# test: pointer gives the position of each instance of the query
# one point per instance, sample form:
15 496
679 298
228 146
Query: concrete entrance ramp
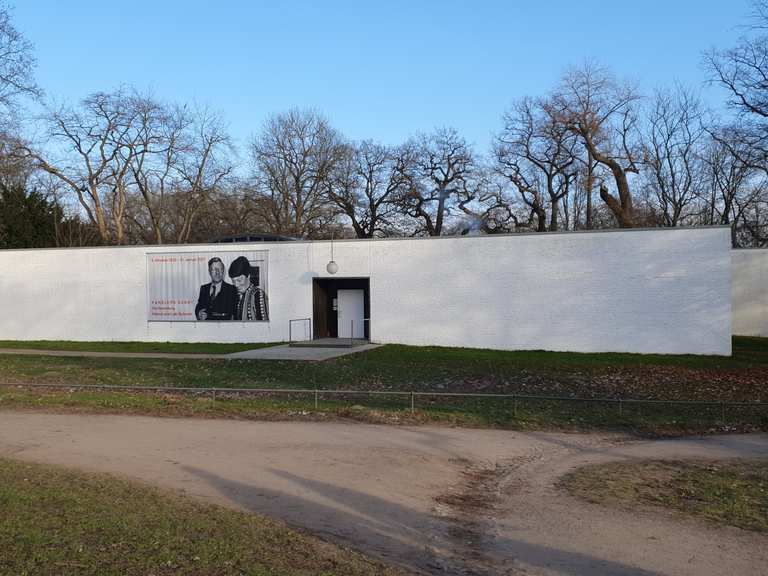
305 353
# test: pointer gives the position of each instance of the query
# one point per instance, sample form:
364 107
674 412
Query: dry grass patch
732 492
57 521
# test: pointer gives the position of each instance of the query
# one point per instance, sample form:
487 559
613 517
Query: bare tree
121 153
582 209
152 157
738 196
743 69
433 169
293 159
180 152
69 228
743 72
485 205
203 163
231 209
752 229
673 153
97 140
537 154
734 187
363 184
17 64
601 111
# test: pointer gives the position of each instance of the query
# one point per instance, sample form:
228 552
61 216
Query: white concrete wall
665 291
750 292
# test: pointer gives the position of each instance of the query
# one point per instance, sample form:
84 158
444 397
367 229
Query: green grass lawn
741 378
166 347
56 521
748 351
396 367
732 492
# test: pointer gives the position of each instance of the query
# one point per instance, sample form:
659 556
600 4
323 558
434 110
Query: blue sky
383 70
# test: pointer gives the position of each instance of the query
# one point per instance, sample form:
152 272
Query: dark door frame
324 292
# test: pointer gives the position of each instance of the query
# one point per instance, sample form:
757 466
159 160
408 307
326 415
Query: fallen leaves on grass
732 492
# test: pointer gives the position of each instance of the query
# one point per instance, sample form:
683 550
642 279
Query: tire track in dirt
472 507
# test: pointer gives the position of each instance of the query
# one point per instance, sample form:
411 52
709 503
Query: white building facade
646 291
750 292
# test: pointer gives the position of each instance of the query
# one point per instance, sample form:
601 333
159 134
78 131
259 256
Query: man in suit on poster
217 299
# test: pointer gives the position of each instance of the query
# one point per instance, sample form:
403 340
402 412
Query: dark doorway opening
325 307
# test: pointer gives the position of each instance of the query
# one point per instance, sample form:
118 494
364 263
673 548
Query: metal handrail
352 330
290 326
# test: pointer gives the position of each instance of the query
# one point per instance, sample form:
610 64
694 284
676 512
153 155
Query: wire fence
722 411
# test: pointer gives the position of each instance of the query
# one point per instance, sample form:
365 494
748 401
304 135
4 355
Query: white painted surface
351 313
666 290
750 292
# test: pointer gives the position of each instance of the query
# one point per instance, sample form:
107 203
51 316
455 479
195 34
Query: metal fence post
741 410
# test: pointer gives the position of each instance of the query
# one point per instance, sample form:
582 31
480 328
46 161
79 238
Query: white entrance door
351 305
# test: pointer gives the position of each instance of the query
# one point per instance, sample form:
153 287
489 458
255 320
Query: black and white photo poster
207 286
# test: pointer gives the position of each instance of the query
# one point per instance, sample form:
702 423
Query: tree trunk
625 220
553 217
590 185
440 212
622 208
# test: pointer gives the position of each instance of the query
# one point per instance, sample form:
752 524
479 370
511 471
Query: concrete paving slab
300 353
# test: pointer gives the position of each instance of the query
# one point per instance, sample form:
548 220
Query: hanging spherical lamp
332 267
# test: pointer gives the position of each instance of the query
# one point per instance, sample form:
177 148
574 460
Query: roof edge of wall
255 245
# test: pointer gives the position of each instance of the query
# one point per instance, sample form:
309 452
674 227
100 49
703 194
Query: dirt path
437 500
